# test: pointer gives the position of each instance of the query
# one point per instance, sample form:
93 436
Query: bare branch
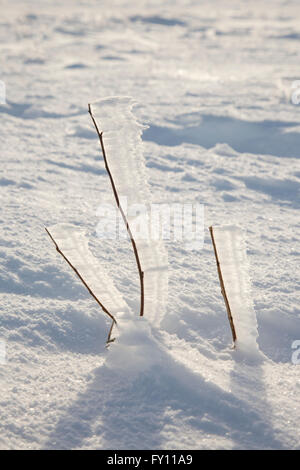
141 273
86 285
223 290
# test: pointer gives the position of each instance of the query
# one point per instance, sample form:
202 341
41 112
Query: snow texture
232 254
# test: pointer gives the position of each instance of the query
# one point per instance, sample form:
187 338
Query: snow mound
136 349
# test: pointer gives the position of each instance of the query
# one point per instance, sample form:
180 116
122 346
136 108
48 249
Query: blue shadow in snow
122 413
265 137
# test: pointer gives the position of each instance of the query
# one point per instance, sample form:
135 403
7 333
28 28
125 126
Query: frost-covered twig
86 285
141 273
223 290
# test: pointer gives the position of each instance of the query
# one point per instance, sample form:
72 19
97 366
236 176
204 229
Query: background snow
214 85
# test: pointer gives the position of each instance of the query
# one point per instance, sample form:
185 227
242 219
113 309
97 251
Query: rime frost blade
124 153
154 260
74 244
123 147
234 265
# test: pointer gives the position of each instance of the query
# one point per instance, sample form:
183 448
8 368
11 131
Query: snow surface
213 81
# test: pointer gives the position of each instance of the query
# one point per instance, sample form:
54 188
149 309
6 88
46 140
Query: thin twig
86 285
223 290
141 273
